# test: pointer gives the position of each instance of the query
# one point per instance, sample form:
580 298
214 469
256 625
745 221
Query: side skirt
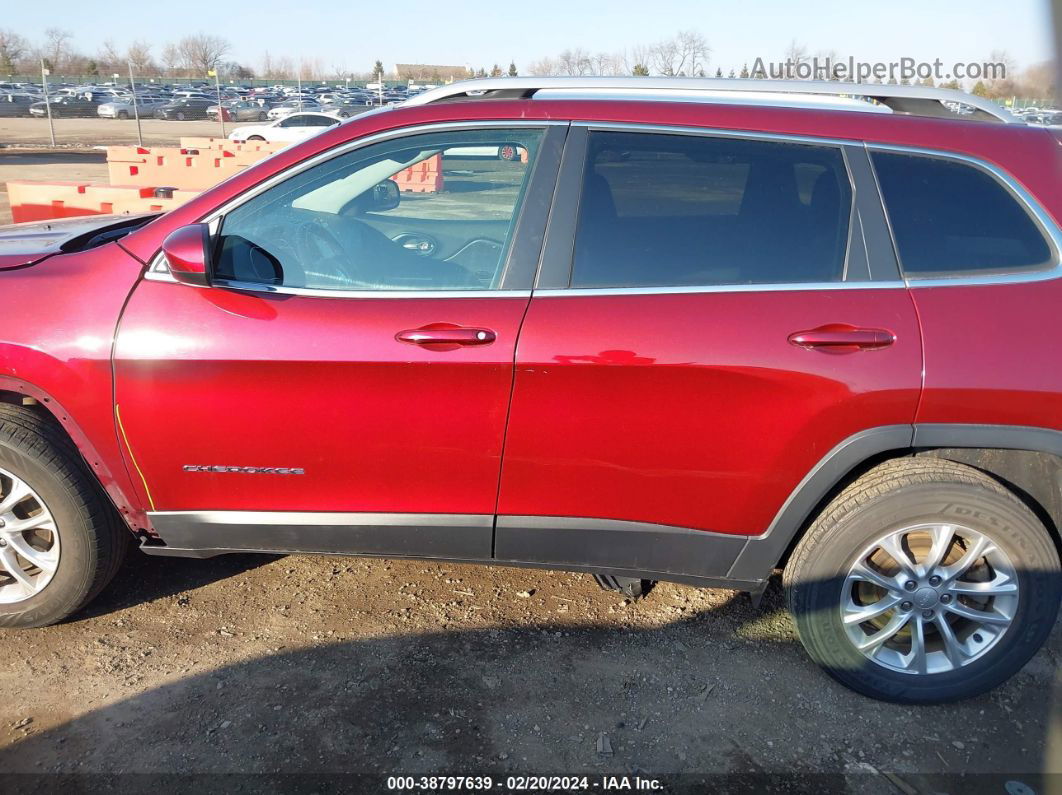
596 546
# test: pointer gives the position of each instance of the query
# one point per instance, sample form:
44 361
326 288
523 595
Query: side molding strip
398 534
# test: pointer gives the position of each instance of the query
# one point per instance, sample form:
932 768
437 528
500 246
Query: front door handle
446 334
842 338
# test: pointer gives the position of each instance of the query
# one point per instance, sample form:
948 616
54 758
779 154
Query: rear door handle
842 338
446 334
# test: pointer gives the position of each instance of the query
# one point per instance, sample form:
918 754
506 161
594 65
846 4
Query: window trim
1041 219
542 178
558 254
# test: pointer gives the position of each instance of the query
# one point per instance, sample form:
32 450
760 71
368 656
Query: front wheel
509 152
924 581
180 116
60 540
263 116
123 114
255 138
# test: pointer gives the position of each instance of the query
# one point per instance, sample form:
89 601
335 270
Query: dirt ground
104 132
255 664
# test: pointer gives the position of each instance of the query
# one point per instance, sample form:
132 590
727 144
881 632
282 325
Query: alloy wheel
29 541
929 598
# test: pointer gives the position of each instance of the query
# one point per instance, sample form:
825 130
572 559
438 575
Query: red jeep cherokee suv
690 333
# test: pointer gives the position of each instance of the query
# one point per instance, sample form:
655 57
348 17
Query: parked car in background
290 128
16 104
184 108
123 108
67 105
290 106
240 111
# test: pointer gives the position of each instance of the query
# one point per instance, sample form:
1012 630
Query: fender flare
762 553
115 484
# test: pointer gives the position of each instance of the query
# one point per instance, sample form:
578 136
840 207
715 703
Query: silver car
123 108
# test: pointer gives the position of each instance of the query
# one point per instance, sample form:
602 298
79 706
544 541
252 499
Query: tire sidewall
818 589
74 576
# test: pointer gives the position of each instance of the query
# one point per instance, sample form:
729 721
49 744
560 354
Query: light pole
221 111
136 107
47 101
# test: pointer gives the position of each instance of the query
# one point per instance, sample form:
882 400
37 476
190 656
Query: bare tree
575 62
171 59
685 53
795 55
638 55
109 58
544 67
56 47
139 57
202 52
12 50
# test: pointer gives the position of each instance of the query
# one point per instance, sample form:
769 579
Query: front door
343 383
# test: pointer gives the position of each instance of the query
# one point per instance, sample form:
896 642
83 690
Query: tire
180 115
255 138
899 497
263 117
93 538
123 114
508 152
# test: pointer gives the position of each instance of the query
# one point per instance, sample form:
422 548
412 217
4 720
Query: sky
352 35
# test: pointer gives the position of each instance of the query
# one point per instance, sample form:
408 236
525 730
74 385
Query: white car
290 106
291 128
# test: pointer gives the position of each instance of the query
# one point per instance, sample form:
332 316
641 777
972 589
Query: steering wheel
320 252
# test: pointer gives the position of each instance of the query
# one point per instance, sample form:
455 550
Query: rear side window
951 218
677 210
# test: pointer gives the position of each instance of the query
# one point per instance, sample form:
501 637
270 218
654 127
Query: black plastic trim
1001 437
530 228
636 546
881 253
762 553
555 268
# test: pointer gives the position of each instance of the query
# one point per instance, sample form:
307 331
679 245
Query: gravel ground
255 664
104 132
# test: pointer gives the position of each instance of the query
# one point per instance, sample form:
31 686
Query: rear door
714 314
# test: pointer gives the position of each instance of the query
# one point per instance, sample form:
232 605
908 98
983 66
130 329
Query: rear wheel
924 581
262 116
180 115
509 152
255 138
122 114
60 540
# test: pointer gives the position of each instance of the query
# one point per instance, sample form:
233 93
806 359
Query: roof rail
915 100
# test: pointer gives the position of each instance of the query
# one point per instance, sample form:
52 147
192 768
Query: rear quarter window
951 219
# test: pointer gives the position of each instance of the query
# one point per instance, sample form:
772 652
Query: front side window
425 212
683 210
950 218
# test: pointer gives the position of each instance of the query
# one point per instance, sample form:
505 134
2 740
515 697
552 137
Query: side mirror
384 196
187 252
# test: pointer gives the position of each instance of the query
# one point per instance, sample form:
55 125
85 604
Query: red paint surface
694 410
217 377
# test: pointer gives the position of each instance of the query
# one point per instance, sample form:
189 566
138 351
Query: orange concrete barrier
42 201
195 142
424 177
185 168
